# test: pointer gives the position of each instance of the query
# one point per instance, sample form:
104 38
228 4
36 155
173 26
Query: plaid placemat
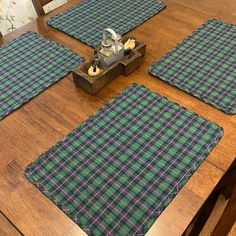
204 65
28 65
87 20
117 171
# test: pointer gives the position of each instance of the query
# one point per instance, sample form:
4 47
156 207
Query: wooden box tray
124 67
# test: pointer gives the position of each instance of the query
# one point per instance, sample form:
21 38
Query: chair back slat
44 2
38 5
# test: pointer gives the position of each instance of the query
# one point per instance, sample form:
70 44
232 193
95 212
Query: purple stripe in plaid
28 65
204 65
116 172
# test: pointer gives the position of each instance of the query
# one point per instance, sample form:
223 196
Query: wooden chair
38 5
2 41
218 214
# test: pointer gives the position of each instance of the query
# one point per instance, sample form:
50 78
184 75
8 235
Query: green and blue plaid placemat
204 65
117 171
28 65
87 20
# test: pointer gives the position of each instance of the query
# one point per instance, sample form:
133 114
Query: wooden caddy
124 67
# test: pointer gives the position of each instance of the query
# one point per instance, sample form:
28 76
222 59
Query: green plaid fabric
87 20
204 65
28 65
117 171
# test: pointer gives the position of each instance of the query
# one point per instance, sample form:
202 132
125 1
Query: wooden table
44 120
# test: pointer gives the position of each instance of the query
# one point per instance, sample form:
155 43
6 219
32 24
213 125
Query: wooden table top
44 120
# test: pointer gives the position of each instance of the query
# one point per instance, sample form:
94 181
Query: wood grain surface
44 120
7 228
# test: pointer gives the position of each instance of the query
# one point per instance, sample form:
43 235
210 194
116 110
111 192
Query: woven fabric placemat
204 65
118 170
87 20
28 65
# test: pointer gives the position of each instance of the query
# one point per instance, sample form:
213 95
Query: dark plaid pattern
204 65
28 65
87 20
117 171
